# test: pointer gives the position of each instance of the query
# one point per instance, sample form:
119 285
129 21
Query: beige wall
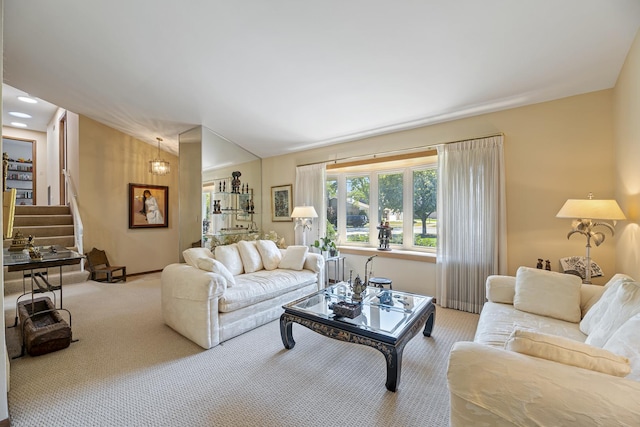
626 108
553 151
109 161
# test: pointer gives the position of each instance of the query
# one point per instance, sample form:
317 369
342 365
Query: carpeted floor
129 369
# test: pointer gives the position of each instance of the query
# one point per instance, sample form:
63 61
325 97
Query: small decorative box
346 309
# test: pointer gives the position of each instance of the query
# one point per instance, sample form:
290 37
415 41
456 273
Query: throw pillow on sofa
270 254
624 304
626 342
533 290
230 257
192 255
215 266
567 351
294 258
597 310
251 259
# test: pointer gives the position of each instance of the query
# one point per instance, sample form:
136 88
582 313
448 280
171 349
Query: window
364 198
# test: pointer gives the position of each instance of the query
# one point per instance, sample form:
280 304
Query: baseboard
141 274
5 423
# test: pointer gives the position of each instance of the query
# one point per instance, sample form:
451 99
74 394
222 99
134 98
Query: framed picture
245 206
148 206
281 203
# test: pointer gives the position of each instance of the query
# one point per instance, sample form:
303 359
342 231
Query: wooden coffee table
385 327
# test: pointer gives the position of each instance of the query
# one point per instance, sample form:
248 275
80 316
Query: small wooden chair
99 266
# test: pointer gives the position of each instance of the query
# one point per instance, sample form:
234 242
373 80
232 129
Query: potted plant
326 245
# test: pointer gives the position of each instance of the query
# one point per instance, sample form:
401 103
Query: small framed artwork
281 203
148 206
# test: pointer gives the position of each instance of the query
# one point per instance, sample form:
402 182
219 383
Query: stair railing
78 229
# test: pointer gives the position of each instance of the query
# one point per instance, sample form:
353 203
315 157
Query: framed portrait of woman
148 206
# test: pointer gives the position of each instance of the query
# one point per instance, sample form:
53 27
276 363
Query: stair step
47 230
42 210
29 220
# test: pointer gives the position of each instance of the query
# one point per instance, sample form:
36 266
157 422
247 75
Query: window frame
378 168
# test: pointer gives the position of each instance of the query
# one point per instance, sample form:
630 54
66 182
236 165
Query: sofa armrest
501 289
525 390
314 262
183 281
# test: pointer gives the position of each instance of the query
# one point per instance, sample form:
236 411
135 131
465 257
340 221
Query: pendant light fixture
158 166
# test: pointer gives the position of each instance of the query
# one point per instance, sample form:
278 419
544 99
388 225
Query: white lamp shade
591 209
304 212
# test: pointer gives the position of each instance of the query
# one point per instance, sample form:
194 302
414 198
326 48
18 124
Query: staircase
50 225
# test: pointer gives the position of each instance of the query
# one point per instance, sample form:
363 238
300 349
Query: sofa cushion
192 255
569 352
534 286
294 257
270 254
251 259
215 266
597 310
626 342
498 321
625 303
230 257
262 285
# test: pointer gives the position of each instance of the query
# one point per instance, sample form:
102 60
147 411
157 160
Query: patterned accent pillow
192 255
294 257
567 351
251 259
271 255
624 305
215 266
548 293
230 257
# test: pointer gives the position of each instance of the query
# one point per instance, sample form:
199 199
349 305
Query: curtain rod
406 150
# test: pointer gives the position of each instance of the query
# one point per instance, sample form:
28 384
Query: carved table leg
428 326
394 363
286 332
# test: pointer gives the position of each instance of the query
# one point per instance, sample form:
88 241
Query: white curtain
309 190
472 240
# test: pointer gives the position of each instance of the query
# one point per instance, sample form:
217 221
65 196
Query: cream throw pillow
623 306
548 293
626 342
230 257
215 266
597 310
270 254
294 257
251 259
566 351
192 255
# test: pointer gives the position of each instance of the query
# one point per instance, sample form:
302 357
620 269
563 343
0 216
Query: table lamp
303 216
584 212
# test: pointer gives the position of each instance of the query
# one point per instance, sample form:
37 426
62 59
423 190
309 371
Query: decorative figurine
384 235
547 265
358 287
235 182
539 264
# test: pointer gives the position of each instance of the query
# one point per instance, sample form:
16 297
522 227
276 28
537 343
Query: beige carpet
129 369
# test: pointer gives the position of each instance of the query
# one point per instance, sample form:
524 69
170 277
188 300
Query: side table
335 263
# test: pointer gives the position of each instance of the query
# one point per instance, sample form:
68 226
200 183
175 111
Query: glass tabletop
49 253
384 311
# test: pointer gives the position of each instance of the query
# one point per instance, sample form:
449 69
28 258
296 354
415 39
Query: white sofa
550 351
210 299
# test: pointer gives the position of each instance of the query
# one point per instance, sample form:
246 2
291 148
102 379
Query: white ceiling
283 75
